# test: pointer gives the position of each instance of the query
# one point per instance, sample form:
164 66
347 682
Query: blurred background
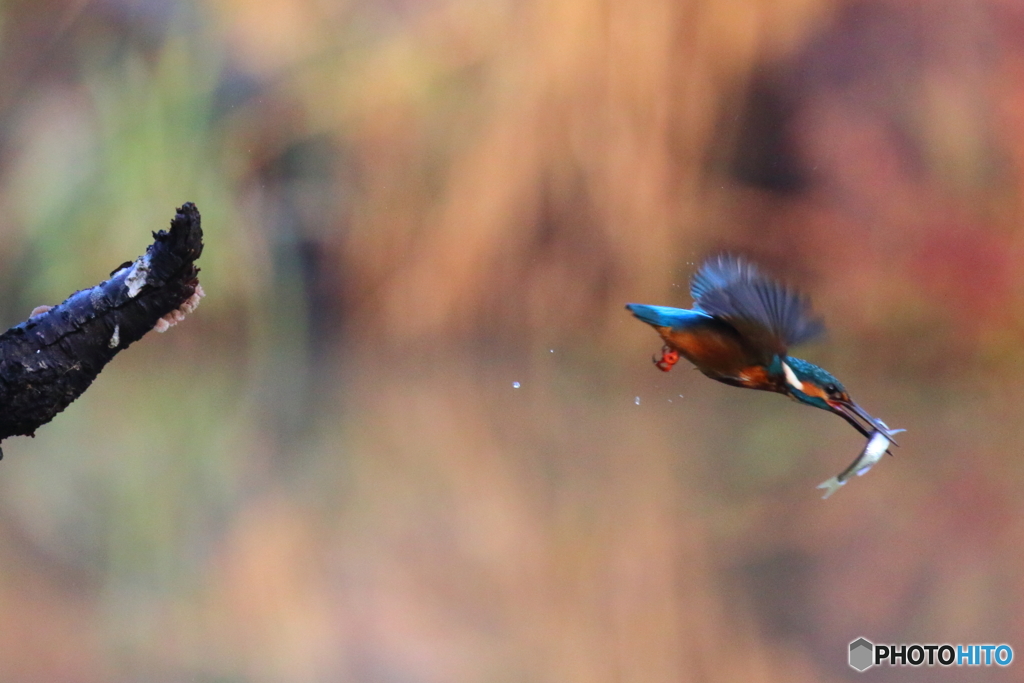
411 435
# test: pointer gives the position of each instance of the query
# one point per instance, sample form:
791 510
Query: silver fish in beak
851 412
876 447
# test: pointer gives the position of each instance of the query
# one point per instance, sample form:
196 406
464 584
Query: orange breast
709 350
755 377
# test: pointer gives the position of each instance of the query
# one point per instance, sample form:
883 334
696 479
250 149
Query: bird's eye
833 391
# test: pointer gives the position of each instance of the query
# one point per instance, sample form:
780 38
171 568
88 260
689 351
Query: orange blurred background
412 435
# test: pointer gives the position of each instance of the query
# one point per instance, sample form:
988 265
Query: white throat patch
792 378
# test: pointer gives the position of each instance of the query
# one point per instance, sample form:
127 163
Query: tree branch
47 361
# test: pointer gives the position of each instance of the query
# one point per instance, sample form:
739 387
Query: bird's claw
669 357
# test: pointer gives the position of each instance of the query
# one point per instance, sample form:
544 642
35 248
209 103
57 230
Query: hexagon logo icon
861 654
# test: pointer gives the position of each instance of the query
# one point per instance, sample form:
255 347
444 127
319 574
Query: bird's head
809 384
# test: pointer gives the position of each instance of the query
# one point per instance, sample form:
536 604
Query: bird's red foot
669 357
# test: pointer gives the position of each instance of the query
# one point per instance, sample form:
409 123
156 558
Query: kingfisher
739 332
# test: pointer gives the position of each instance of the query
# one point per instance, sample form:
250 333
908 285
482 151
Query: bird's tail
662 316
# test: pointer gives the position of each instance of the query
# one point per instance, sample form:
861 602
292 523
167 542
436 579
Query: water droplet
552 350
515 385
637 400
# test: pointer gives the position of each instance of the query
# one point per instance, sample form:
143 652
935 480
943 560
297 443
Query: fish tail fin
830 486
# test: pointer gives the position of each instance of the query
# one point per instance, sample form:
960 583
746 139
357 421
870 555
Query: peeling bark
47 361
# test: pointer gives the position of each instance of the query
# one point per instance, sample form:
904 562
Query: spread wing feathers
720 272
763 310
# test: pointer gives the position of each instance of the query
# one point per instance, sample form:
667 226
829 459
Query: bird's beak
850 411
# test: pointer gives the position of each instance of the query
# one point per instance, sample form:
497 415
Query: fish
873 451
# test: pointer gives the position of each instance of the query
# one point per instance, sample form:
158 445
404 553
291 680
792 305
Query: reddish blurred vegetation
412 205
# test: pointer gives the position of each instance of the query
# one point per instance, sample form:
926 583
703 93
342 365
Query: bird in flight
739 332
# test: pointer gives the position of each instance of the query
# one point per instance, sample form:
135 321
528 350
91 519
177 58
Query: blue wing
763 310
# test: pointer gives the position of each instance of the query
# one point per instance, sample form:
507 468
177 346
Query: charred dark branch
47 361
